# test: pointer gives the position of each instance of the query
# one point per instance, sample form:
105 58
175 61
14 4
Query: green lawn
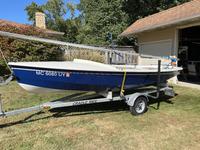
175 125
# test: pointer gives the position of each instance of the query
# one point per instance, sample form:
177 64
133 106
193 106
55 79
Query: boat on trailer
85 75
92 76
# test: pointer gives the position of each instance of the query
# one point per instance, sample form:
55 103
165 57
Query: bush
18 50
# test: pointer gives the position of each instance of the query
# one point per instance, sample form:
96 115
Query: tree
72 24
72 8
99 18
56 11
32 9
72 30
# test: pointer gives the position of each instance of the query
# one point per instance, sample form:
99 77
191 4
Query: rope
123 83
4 58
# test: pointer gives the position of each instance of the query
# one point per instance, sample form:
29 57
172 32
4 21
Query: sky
13 10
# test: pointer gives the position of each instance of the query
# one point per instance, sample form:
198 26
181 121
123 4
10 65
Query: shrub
18 50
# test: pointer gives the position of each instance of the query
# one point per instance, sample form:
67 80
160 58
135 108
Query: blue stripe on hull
83 80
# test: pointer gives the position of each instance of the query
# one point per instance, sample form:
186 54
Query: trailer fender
131 100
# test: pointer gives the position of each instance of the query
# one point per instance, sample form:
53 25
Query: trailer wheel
140 106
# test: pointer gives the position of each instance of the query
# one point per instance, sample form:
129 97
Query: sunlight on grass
175 125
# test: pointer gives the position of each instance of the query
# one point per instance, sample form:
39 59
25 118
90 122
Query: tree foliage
56 11
31 10
99 18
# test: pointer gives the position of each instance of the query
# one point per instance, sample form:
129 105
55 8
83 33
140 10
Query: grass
109 126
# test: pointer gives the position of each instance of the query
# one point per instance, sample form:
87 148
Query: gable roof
26 27
189 11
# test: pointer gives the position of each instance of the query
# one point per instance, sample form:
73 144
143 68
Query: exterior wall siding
158 42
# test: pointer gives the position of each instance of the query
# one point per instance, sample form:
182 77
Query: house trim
159 41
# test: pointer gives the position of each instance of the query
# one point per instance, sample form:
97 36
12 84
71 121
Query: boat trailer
136 101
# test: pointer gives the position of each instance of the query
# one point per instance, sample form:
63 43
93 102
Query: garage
172 32
189 53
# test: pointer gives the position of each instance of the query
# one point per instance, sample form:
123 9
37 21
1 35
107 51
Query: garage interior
189 54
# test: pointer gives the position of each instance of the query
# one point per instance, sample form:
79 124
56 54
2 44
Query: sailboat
85 75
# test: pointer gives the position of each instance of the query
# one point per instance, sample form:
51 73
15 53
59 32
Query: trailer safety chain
123 83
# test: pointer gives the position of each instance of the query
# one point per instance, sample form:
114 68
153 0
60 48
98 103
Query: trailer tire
140 106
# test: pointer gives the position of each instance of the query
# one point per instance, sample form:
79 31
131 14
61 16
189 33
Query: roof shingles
171 16
26 27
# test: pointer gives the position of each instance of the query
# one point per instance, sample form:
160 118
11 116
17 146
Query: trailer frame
129 99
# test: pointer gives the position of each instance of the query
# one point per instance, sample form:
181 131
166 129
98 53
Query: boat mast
109 52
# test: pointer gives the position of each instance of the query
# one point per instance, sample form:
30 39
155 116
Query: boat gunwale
120 72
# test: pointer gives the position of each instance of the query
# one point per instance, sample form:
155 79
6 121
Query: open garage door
189 54
156 48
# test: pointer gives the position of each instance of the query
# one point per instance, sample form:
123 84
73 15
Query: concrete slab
190 85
